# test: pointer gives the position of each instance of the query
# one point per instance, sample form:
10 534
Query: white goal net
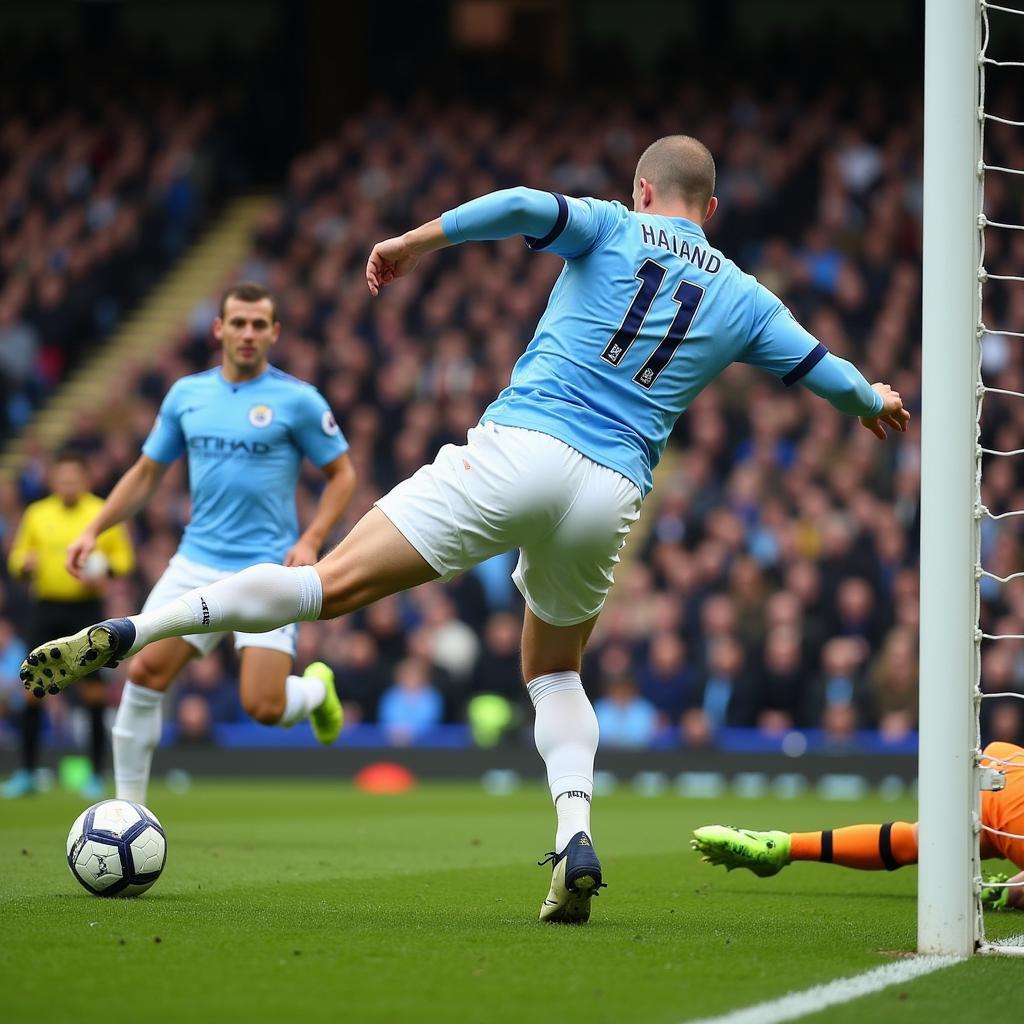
972 431
1004 279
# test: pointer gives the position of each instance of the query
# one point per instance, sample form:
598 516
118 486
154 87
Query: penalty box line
833 993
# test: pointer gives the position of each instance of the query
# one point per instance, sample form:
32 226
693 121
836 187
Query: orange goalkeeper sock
867 847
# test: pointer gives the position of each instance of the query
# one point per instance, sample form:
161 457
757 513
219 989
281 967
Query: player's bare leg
261 683
137 726
566 735
548 648
373 561
273 696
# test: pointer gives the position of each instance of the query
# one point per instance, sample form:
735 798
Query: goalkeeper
889 846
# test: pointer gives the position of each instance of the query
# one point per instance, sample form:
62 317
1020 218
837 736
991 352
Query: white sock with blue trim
255 600
133 739
566 735
302 696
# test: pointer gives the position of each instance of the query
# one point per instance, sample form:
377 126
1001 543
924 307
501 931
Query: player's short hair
249 291
70 453
679 167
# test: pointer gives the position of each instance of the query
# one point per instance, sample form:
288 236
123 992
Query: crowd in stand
772 582
114 151
93 205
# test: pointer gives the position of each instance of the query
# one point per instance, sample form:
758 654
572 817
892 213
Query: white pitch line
1013 946
832 993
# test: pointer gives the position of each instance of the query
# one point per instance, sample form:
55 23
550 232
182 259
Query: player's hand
995 897
302 553
391 259
892 415
78 551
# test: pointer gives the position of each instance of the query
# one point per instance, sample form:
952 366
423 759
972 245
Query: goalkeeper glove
994 897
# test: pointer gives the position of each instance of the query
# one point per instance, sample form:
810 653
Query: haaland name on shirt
682 248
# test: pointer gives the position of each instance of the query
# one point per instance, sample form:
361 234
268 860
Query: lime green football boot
328 718
764 853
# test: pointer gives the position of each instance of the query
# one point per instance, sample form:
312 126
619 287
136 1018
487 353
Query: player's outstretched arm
542 217
395 257
842 384
780 345
130 494
893 414
341 484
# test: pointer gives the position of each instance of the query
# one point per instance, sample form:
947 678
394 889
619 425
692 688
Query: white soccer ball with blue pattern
117 848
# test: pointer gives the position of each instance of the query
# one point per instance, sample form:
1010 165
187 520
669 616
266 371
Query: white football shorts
507 488
183 575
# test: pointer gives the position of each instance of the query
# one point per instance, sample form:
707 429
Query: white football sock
566 735
134 737
254 600
302 694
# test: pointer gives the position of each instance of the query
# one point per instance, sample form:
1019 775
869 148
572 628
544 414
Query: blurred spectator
780 682
665 678
194 720
1001 673
624 717
725 698
12 653
361 675
453 644
410 705
894 684
204 696
497 669
838 699
383 620
856 610
19 363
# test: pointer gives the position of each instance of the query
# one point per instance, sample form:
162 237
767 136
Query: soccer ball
117 848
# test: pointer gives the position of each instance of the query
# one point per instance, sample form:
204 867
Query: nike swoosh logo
551 903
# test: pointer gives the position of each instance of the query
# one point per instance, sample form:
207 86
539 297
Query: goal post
947 790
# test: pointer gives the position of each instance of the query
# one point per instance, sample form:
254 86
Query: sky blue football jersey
245 443
644 315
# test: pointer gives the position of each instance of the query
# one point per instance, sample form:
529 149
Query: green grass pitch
308 901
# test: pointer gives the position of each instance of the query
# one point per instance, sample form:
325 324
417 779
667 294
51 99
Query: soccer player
889 846
63 603
644 315
245 427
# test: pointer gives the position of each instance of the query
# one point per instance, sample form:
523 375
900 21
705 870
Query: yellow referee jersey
47 529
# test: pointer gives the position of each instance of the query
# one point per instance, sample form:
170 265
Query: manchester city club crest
329 424
261 415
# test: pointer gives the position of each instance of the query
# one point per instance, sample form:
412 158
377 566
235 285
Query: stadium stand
773 583
94 205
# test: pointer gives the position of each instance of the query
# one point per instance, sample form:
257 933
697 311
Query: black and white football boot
52 666
575 878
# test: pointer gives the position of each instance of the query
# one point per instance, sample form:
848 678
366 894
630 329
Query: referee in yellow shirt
63 604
